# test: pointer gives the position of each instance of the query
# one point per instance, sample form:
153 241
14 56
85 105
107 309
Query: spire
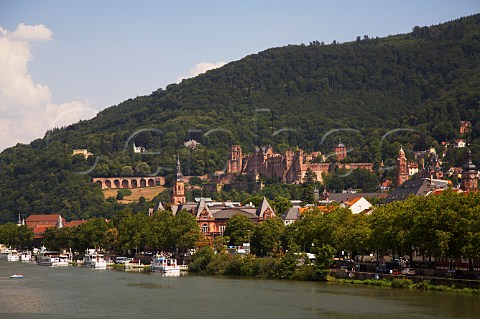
179 171
19 220
59 222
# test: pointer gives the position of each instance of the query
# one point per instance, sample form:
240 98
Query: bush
264 267
201 259
401 283
218 264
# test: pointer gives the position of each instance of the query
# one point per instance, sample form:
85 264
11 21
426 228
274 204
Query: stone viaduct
129 182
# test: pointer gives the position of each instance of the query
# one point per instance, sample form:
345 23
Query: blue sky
68 59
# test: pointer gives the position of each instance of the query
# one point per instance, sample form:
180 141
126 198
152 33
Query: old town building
212 217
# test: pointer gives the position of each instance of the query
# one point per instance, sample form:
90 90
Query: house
416 187
212 217
41 222
84 152
357 205
291 215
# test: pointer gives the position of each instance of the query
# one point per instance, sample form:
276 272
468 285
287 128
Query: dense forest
374 94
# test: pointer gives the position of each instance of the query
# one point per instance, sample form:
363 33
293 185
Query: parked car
408 271
454 273
395 272
121 260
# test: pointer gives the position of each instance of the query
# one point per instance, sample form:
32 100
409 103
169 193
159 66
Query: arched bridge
129 182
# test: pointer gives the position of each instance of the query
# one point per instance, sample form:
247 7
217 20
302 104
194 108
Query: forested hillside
414 87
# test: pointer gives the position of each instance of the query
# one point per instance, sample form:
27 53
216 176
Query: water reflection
82 293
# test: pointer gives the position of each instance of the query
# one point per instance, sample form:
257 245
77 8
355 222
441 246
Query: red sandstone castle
291 166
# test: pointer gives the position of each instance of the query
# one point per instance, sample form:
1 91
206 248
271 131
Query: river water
74 292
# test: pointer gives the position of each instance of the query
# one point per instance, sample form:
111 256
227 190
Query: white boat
16 276
59 260
44 259
166 265
93 259
9 254
26 256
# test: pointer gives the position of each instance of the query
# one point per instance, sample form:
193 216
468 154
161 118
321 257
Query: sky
62 61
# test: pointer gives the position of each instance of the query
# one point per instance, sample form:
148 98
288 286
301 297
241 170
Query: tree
281 204
266 237
186 231
239 229
16 236
142 169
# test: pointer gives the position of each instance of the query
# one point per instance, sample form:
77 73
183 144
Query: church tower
178 196
402 170
469 175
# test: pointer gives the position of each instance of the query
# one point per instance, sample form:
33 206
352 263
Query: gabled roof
293 213
417 187
264 207
203 210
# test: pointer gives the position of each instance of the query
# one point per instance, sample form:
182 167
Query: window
222 228
205 228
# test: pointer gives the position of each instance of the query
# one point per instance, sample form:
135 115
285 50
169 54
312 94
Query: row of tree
446 225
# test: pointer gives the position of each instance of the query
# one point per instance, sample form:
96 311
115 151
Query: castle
290 167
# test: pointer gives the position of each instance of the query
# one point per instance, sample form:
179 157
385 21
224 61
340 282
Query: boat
26 256
59 260
134 263
44 259
93 259
9 254
16 276
165 265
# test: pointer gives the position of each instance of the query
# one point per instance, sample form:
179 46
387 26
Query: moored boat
26 255
16 276
93 259
9 254
164 264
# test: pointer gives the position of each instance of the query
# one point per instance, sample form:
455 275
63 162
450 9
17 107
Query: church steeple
469 175
402 170
179 171
178 196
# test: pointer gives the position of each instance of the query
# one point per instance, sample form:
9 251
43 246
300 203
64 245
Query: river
74 292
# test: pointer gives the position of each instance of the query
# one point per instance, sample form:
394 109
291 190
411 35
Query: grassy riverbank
403 283
294 267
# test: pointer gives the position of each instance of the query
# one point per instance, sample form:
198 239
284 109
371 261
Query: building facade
290 167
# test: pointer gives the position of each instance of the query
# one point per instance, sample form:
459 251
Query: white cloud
200 68
31 33
26 107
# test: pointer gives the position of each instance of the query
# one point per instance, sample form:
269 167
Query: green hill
374 93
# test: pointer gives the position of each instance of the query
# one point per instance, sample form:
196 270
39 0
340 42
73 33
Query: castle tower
178 196
469 175
402 170
340 151
235 160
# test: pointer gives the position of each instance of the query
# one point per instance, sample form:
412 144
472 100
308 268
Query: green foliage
422 80
16 236
266 237
239 229
201 259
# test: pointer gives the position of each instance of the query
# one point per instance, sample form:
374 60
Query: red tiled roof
42 218
39 230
